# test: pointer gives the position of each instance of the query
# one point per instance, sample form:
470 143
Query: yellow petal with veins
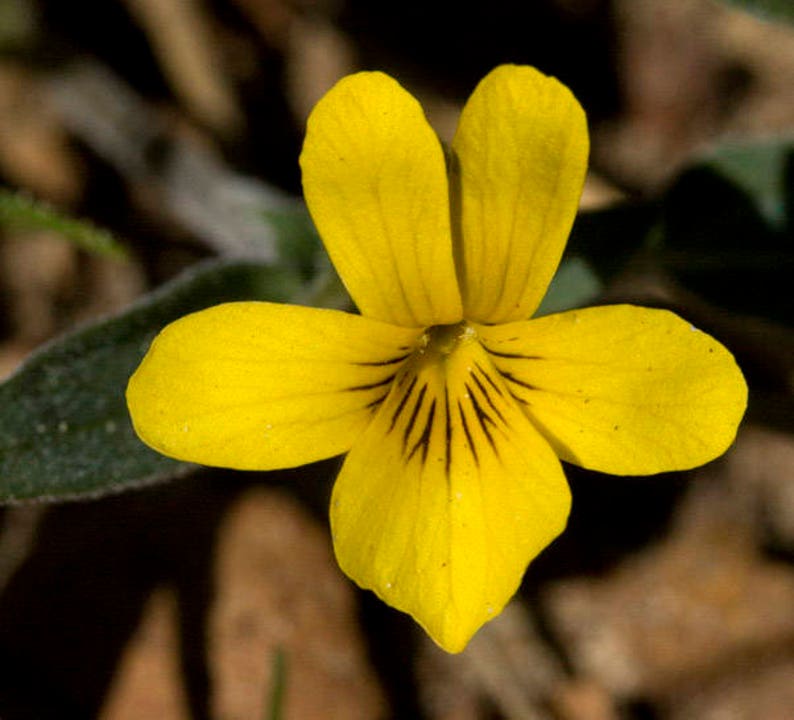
375 182
622 389
447 496
521 149
260 386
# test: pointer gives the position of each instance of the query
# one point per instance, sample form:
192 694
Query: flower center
443 339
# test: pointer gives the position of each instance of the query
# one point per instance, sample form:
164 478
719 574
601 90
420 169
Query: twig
221 208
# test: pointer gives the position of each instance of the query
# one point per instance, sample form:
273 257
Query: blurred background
216 595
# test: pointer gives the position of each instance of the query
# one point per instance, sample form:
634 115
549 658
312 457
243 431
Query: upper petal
623 389
447 497
375 182
521 148
260 386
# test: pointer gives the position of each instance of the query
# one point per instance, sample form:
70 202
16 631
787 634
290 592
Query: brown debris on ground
696 623
669 620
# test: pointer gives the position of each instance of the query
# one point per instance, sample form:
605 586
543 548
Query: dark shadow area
611 517
69 611
717 240
391 636
392 640
449 46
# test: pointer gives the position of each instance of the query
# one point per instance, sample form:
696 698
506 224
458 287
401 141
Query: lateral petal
375 182
261 386
447 497
521 148
622 389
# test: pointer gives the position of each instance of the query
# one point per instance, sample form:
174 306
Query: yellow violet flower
453 407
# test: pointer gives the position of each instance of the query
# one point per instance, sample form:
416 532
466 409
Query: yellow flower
452 405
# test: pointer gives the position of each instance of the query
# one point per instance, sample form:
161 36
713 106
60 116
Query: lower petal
261 386
622 389
447 497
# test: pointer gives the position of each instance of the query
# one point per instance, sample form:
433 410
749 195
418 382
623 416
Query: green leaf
64 427
18 25
609 237
759 170
768 9
274 709
575 284
20 212
298 243
301 250
725 229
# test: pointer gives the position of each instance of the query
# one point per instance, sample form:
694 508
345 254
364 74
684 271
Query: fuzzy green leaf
64 428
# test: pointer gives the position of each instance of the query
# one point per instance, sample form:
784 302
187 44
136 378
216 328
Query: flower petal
622 389
521 148
374 178
447 497
260 386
